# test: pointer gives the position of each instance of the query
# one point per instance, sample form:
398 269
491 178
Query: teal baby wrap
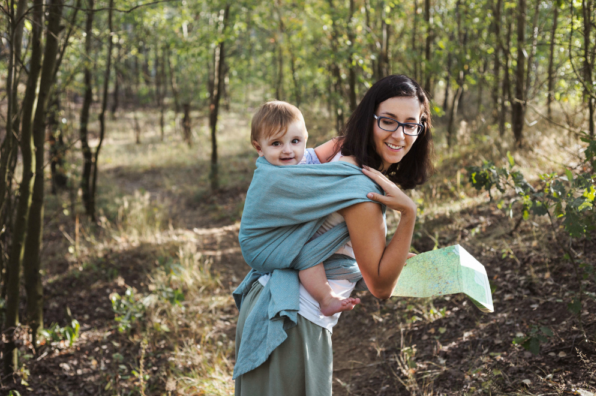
285 206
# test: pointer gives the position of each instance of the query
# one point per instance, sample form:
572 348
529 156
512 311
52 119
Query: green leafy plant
568 200
128 309
68 333
532 341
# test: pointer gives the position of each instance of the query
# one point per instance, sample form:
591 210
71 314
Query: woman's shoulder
349 159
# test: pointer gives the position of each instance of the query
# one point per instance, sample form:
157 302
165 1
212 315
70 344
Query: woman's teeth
393 146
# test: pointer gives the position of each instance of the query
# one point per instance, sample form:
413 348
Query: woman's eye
411 128
388 123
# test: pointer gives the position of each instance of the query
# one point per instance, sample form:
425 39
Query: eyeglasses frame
399 124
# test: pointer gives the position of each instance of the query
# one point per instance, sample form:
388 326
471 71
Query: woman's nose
399 133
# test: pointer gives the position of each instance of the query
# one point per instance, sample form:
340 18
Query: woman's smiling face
393 146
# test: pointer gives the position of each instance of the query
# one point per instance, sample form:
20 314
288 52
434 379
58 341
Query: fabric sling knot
285 206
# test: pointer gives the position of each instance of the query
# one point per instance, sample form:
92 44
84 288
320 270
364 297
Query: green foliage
531 342
68 333
568 199
128 309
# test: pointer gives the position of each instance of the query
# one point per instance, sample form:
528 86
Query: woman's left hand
394 197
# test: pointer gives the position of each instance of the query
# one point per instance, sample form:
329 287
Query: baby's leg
315 282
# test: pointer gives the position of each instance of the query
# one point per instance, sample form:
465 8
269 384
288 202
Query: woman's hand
394 197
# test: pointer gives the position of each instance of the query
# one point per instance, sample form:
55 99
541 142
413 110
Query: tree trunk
31 259
518 105
506 89
451 133
496 94
164 90
588 66
532 50
186 124
57 146
551 59
174 89
20 226
447 82
8 151
427 50
102 114
415 40
84 132
216 95
117 77
351 66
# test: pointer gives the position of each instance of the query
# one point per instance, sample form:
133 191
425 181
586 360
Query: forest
125 159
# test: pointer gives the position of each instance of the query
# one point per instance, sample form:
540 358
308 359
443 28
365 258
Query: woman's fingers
378 177
378 198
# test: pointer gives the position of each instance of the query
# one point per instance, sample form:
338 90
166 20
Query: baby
279 134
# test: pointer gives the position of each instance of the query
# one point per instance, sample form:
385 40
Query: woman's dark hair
358 135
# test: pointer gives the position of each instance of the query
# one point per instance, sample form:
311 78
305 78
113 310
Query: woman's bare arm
326 150
381 264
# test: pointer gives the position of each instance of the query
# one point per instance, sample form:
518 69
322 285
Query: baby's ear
257 147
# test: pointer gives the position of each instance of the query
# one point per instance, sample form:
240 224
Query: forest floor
150 284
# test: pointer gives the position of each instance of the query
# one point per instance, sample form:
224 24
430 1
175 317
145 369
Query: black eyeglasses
391 125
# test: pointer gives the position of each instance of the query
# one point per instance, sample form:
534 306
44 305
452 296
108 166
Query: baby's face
287 149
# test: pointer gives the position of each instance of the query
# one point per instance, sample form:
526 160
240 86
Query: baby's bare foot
334 304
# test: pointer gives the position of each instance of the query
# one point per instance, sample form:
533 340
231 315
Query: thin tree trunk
33 242
20 226
532 50
174 89
518 105
164 91
384 55
57 146
186 124
102 114
351 66
8 151
506 90
588 66
551 59
497 95
415 40
216 95
447 82
427 49
84 131
297 96
117 77
451 133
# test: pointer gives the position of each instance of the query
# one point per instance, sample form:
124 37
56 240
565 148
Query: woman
389 137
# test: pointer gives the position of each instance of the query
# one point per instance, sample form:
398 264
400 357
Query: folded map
444 271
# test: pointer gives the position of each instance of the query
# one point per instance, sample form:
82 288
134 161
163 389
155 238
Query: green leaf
546 331
569 175
575 307
532 345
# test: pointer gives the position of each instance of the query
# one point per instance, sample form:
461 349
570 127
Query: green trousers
301 366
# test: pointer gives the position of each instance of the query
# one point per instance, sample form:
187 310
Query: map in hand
445 271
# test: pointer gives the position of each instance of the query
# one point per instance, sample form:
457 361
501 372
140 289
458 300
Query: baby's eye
296 141
275 144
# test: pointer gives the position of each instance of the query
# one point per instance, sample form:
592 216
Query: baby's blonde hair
273 118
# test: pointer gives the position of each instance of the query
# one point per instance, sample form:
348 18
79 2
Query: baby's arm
315 282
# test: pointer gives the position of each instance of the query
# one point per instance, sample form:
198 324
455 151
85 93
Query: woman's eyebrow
394 116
